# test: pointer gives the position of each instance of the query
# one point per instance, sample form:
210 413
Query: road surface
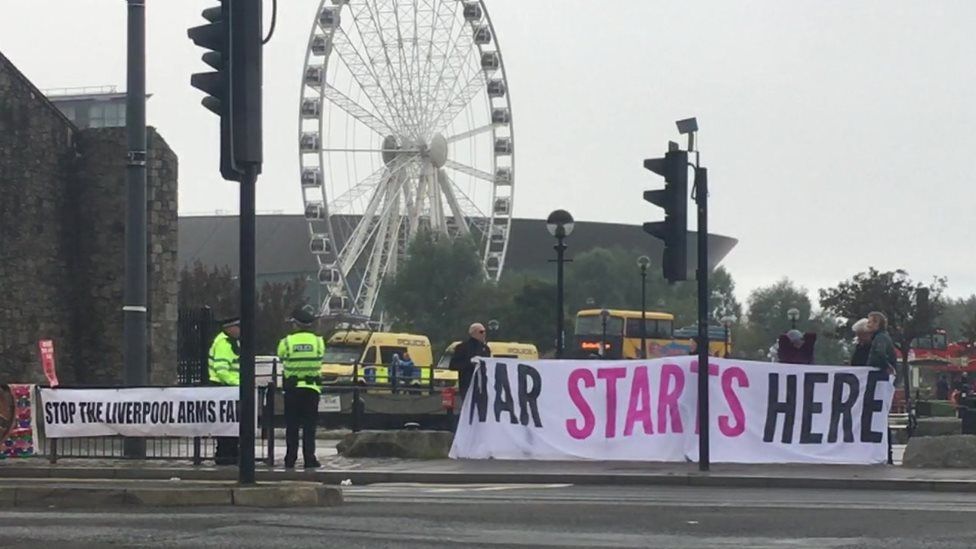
422 516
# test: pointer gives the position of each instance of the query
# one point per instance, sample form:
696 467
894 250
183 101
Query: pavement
422 516
365 471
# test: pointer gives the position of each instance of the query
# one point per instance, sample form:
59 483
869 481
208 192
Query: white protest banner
140 412
646 410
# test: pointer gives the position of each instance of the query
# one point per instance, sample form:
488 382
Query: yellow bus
623 336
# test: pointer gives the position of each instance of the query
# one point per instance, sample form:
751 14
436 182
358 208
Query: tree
439 289
956 315
767 318
528 312
892 293
276 301
215 288
218 289
968 329
609 277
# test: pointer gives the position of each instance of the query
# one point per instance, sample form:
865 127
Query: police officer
225 369
301 353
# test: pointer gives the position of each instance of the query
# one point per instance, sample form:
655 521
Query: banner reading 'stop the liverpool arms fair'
647 410
141 412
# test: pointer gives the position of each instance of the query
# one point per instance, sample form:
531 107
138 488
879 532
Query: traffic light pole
134 298
701 199
248 312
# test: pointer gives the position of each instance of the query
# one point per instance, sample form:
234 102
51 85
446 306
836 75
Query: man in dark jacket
465 351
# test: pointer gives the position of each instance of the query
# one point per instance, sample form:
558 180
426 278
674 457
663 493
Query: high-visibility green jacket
225 361
301 353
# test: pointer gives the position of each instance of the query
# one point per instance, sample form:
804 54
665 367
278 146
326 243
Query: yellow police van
445 377
375 353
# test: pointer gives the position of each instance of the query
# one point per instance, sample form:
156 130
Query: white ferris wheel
405 125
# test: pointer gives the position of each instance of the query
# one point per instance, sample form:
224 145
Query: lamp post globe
793 314
560 225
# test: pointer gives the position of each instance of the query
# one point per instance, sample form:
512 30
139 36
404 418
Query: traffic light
233 88
673 231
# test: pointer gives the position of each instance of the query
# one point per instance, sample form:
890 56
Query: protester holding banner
862 343
225 369
795 347
302 352
465 358
882 354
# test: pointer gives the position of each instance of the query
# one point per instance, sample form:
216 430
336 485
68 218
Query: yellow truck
375 353
444 377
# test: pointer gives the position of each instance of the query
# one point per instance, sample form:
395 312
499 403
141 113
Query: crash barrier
366 399
176 423
758 412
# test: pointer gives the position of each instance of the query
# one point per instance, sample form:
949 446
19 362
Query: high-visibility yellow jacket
301 353
225 361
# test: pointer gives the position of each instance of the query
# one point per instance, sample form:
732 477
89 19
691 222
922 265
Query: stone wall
36 158
100 200
62 242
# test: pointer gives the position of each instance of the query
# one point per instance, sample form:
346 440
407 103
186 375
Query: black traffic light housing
673 231
233 88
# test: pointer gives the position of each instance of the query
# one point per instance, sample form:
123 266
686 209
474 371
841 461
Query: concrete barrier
949 451
85 494
938 426
399 444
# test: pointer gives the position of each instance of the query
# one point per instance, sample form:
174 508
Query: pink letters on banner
589 420
610 376
639 408
667 402
670 390
735 405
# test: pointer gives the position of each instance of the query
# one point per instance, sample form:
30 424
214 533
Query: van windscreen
342 354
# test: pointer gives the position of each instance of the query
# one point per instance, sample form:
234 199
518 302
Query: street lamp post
793 314
643 262
560 225
493 327
604 316
727 322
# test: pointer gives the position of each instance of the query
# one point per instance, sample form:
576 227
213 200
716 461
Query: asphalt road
416 516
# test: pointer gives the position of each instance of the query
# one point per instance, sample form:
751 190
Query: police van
373 355
445 377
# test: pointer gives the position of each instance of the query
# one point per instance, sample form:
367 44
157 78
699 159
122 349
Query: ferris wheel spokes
366 227
470 170
452 201
470 133
357 111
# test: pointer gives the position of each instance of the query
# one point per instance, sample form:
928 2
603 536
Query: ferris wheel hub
437 151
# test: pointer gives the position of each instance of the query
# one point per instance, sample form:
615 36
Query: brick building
62 229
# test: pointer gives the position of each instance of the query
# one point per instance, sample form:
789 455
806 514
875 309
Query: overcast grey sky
839 134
